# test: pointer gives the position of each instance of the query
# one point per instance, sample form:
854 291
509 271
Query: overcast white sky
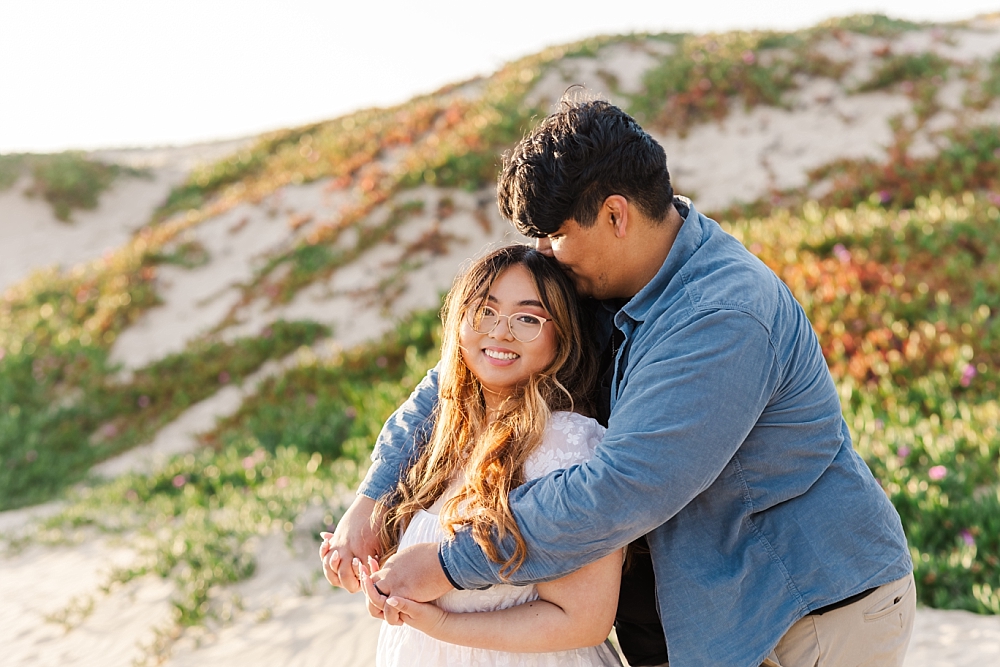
101 73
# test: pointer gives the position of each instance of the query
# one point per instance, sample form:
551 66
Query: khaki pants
872 632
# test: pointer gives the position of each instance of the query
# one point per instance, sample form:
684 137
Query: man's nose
544 246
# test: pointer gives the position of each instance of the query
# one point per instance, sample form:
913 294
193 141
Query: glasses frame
472 322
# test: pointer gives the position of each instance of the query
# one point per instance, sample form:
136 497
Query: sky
83 74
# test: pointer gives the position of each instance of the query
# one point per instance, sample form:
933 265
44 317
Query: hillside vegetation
893 253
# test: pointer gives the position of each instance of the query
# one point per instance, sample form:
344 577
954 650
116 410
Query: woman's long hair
491 454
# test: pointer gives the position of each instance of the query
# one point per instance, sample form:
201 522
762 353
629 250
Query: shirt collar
689 239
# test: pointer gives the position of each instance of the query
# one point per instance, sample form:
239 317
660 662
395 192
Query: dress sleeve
569 439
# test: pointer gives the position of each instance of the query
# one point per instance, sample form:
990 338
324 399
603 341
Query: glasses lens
484 319
525 327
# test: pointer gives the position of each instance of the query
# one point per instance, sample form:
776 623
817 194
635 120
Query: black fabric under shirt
637 620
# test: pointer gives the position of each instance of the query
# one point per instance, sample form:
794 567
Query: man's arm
398 444
688 405
402 436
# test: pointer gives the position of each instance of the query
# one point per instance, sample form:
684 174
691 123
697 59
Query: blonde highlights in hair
487 456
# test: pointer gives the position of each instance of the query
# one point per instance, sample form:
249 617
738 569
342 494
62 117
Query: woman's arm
575 611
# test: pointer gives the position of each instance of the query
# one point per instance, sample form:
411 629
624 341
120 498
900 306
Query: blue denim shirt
726 443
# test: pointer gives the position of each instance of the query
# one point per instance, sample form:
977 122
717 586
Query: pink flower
180 481
937 473
248 463
143 401
223 377
903 452
281 482
350 412
842 253
967 537
967 375
749 58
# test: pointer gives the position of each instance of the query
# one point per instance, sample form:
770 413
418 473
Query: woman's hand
328 556
376 601
424 616
356 536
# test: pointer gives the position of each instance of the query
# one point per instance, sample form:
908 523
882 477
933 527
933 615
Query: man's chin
585 289
582 288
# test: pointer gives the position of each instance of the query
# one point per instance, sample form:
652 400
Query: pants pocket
888 601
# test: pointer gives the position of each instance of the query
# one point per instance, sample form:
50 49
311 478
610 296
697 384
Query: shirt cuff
377 484
447 574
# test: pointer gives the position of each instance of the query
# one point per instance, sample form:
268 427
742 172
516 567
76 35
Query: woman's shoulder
569 439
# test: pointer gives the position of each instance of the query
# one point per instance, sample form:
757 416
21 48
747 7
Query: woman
514 375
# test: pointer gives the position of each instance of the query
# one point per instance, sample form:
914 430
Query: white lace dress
569 439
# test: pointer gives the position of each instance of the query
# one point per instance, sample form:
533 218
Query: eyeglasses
525 327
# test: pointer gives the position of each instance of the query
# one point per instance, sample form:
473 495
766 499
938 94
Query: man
770 541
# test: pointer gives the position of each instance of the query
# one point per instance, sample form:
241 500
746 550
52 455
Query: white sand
613 74
43 581
237 243
32 238
751 152
290 615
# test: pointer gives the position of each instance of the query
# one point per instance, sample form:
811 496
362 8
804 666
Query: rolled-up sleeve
686 404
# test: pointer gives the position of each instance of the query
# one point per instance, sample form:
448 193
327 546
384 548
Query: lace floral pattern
569 439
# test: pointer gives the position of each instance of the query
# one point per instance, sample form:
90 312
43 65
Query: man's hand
356 537
414 574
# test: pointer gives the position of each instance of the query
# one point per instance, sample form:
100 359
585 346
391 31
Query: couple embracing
633 424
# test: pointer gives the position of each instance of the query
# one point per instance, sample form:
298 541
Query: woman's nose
502 330
544 246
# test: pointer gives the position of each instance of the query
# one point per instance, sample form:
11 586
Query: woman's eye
528 319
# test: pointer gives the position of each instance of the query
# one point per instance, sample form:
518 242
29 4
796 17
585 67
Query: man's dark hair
574 160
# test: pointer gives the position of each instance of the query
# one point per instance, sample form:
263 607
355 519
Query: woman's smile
500 357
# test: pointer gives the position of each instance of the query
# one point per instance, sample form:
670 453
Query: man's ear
616 209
